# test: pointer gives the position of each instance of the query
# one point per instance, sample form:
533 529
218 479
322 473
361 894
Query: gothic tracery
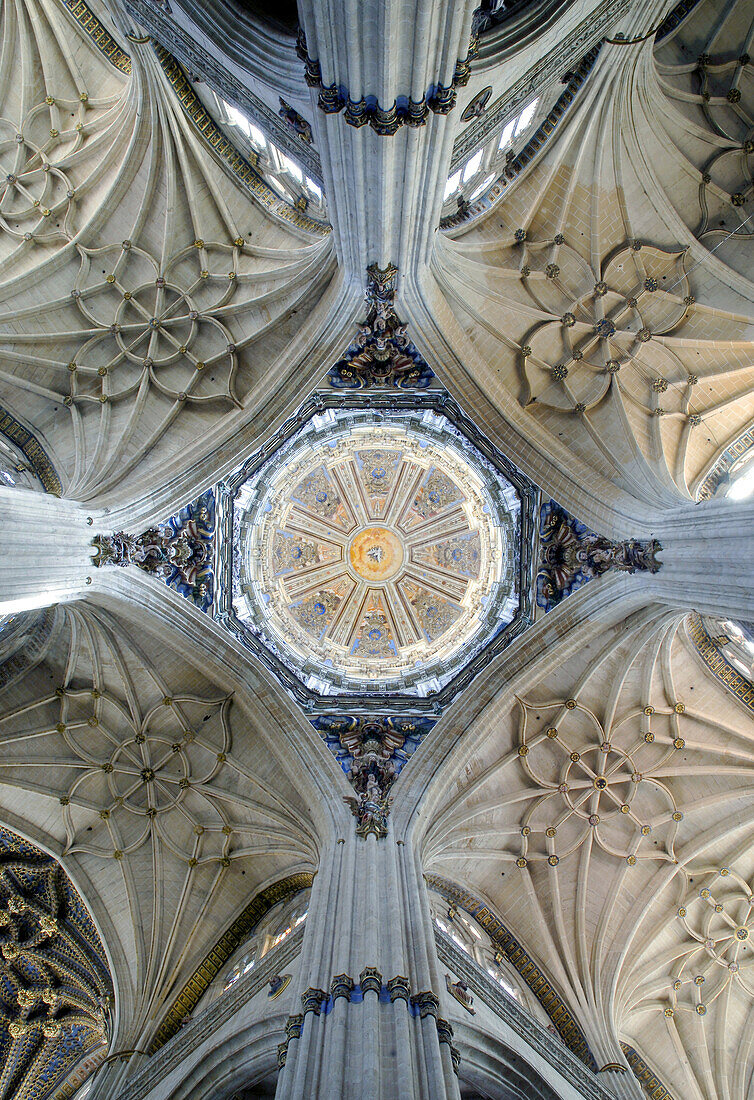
420 702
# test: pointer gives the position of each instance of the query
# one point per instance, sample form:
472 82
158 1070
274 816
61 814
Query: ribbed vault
164 317
171 797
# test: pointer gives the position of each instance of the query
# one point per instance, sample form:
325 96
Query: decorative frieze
32 450
715 660
236 934
514 953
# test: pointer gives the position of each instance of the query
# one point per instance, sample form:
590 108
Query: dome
376 551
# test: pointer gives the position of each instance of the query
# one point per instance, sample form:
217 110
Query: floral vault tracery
157 326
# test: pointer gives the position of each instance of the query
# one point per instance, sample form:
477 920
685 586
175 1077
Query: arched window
480 169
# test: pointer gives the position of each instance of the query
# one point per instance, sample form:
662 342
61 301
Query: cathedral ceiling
377 552
147 302
163 312
584 806
139 780
587 309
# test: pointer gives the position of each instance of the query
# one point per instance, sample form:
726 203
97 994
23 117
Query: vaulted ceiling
163 310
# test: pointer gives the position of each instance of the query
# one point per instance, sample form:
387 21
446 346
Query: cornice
33 450
199 60
215 959
716 663
104 41
227 153
207 1023
531 972
229 157
531 150
563 1060
716 472
538 78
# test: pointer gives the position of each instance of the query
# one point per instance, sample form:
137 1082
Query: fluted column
370 1024
384 189
45 549
707 558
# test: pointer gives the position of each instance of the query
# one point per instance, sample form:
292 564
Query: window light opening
472 166
507 135
452 185
482 187
524 119
293 168
239 120
743 486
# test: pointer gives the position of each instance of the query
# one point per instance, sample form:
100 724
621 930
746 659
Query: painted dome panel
375 552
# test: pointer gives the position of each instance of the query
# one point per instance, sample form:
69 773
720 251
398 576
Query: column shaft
707 558
371 1025
45 549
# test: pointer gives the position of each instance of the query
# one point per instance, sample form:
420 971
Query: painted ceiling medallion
374 552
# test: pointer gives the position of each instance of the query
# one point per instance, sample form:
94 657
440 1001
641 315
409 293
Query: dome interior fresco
376 550
376 526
